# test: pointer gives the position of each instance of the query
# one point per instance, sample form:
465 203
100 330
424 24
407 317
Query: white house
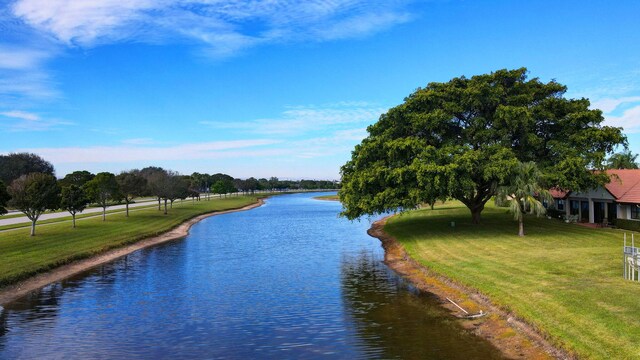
619 199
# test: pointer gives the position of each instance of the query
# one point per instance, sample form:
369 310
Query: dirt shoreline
512 336
19 289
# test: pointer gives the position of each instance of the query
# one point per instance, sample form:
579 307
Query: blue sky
282 87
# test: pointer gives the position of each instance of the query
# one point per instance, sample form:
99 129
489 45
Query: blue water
287 280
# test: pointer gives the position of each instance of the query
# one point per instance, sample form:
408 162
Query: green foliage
103 189
78 178
623 160
131 184
633 225
223 187
14 165
521 193
74 200
34 194
4 198
464 138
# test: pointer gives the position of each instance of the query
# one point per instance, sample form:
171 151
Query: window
635 212
574 207
560 204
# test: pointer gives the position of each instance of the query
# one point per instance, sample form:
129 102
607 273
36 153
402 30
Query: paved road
56 215
142 202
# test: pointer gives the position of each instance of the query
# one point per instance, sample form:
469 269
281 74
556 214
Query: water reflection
399 321
287 280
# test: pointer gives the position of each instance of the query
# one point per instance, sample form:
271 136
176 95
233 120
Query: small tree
156 178
74 200
223 187
521 193
34 194
174 187
4 198
103 190
132 185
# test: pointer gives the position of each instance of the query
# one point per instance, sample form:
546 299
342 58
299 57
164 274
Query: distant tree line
33 188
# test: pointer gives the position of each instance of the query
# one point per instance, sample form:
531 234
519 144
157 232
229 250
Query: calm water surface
287 280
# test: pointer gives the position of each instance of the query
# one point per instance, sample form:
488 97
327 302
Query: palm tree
622 160
521 193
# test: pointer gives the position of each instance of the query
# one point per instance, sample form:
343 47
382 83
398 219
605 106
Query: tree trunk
127 206
73 217
521 227
165 206
475 216
475 206
33 227
158 204
104 213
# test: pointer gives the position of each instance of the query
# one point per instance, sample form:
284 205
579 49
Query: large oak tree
14 165
464 138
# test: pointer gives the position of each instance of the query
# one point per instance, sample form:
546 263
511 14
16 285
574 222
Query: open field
57 244
564 279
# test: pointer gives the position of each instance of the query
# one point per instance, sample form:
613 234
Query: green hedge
633 225
555 213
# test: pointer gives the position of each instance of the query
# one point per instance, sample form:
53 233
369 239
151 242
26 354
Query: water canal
287 280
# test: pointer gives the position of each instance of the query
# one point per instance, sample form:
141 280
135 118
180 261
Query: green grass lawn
562 278
27 225
22 255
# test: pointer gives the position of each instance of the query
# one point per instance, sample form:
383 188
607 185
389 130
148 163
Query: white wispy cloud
629 120
19 120
22 74
608 105
138 141
23 115
133 153
303 119
225 26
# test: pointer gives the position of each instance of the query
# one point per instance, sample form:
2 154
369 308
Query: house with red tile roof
619 199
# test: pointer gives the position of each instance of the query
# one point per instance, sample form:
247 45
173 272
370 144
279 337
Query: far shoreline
328 197
15 291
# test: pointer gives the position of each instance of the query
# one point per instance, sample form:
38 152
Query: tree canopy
78 178
34 194
4 198
623 160
103 189
14 165
132 185
464 138
74 199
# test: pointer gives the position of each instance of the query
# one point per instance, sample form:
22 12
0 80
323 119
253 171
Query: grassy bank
57 244
562 278
328 197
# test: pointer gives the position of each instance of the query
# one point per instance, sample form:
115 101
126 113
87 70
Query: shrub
633 225
555 213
